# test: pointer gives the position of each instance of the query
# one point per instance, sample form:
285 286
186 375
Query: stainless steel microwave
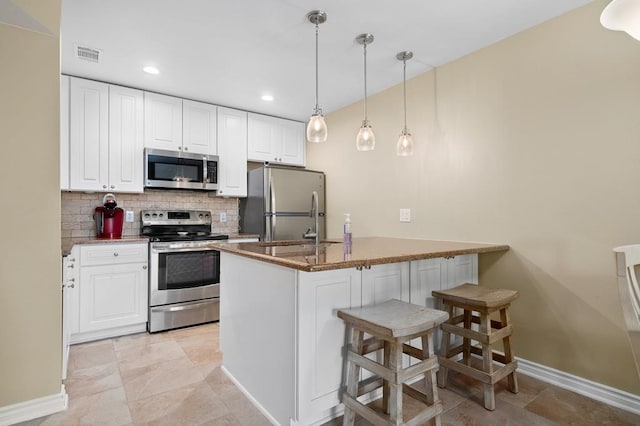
180 170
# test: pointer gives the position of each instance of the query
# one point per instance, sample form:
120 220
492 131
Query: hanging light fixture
366 140
404 147
317 128
622 15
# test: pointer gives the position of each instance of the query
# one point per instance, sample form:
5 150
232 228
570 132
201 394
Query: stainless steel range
184 273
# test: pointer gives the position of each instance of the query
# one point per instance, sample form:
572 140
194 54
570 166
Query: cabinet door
126 146
232 150
262 139
64 132
293 142
461 269
162 122
321 336
384 282
199 127
112 296
426 276
89 133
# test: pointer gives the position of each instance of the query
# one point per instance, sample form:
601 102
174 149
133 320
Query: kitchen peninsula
280 336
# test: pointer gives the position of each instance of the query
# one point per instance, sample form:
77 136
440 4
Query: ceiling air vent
88 54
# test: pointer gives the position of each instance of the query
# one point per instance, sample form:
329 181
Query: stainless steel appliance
180 170
184 273
280 204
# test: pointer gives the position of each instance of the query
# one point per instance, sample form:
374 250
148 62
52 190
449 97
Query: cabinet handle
70 265
115 254
179 148
72 259
113 187
71 285
144 266
186 148
104 186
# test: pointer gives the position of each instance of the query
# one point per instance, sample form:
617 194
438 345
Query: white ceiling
230 52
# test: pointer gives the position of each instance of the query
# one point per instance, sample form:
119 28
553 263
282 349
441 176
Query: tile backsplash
78 208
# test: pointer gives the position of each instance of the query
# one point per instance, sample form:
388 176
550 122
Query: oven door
182 275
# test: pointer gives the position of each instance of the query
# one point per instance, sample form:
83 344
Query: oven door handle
181 249
182 307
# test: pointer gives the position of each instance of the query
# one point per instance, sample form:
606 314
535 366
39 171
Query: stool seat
391 324
480 328
394 319
476 296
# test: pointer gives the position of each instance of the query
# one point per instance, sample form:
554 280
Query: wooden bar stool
483 301
391 325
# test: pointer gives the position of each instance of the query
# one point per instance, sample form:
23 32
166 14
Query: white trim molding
34 408
603 393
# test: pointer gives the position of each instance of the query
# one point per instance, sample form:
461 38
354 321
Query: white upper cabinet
88 135
162 122
126 148
105 146
232 150
199 127
176 124
275 140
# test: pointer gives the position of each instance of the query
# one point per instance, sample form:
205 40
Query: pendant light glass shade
622 15
404 146
317 128
366 140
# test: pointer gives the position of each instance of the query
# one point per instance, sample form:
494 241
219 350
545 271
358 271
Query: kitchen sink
305 244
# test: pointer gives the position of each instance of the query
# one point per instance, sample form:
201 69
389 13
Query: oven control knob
154 215
161 215
146 215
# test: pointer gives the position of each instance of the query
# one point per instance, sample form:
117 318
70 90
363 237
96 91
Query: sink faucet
313 213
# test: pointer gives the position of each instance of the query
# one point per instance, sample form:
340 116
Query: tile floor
174 378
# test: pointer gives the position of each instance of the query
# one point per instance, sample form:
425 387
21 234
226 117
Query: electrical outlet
405 215
128 216
223 216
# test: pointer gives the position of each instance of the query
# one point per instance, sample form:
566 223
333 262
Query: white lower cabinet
280 325
110 297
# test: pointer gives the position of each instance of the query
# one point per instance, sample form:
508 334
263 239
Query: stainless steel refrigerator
279 203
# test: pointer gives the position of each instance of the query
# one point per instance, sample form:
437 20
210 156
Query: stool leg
466 342
353 372
395 386
487 361
385 383
444 349
512 379
431 393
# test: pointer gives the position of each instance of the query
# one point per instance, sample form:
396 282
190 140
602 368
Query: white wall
533 142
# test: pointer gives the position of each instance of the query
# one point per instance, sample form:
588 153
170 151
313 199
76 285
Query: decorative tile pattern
174 378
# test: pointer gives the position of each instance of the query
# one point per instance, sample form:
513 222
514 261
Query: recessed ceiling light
267 98
151 70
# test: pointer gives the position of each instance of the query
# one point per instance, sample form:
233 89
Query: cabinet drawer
112 253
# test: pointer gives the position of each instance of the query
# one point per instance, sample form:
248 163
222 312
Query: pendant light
404 147
366 140
622 15
317 128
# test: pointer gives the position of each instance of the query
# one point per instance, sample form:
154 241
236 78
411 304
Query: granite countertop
304 256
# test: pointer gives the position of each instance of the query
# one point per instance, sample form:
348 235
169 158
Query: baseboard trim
603 393
34 408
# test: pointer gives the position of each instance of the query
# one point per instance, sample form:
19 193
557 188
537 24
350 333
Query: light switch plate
405 215
223 216
128 216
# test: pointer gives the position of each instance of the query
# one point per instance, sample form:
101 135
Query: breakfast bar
280 336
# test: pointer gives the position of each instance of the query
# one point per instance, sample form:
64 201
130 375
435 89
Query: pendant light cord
404 92
365 81
317 109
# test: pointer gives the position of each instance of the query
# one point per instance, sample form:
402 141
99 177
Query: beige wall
533 142
30 282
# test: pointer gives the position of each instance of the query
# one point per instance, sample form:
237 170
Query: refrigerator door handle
272 194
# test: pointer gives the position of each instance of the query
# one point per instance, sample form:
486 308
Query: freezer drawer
177 315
